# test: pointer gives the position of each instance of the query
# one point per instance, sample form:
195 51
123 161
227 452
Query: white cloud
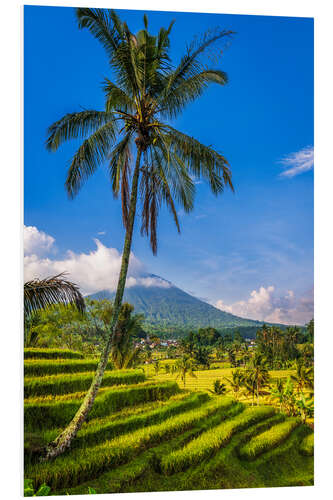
101 233
36 242
297 163
265 305
93 271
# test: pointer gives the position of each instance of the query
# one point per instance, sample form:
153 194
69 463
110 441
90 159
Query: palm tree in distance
185 366
148 90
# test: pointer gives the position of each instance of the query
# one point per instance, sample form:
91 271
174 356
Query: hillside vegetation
146 435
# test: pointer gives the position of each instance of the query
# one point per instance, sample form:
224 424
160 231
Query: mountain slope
170 310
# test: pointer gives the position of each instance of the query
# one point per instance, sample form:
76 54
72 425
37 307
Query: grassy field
149 434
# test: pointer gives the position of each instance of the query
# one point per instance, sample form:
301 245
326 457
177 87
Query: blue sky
250 252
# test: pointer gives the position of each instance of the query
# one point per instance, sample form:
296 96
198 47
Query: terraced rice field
149 435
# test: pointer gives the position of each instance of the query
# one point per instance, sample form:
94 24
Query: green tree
148 90
219 389
257 374
202 356
184 366
236 381
303 377
305 407
277 392
123 353
310 330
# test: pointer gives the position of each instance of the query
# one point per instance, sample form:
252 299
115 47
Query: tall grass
210 441
268 439
63 384
39 353
84 463
58 413
40 367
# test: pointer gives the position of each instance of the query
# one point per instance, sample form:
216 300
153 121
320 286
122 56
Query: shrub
37 353
210 441
40 367
82 464
63 384
268 439
306 446
59 413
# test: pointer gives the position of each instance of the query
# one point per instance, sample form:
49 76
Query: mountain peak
171 311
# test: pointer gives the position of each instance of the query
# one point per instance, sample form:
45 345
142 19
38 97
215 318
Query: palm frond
202 161
190 64
117 98
74 126
42 293
171 104
89 156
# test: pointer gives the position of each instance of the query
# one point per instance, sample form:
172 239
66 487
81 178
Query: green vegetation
56 412
269 439
202 447
46 353
41 367
133 428
62 384
306 446
149 90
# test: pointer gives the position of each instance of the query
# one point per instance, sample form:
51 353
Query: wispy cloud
101 233
297 163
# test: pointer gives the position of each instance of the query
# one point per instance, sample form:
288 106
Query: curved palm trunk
64 439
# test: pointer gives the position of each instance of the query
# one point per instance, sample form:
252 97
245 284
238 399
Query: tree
123 353
185 366
310 330
236 381
147 90
40 294
219 389
202 356
257 375
303 377
277 392
305 407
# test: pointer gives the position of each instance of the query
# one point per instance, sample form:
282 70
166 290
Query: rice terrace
132 381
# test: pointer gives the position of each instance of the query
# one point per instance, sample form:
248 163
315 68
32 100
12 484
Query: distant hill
171 312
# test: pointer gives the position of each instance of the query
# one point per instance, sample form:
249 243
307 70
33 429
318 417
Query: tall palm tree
185 366
258 374
236 381
148 91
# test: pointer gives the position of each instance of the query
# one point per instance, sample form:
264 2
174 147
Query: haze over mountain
168 310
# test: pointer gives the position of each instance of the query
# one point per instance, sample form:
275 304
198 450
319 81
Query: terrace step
42 367
57 413
75 467
63 384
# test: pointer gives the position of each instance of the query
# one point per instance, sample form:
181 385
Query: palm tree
303 377
185 366
277 392
236 381
123 353
258 373
148 90
219 388
42 293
